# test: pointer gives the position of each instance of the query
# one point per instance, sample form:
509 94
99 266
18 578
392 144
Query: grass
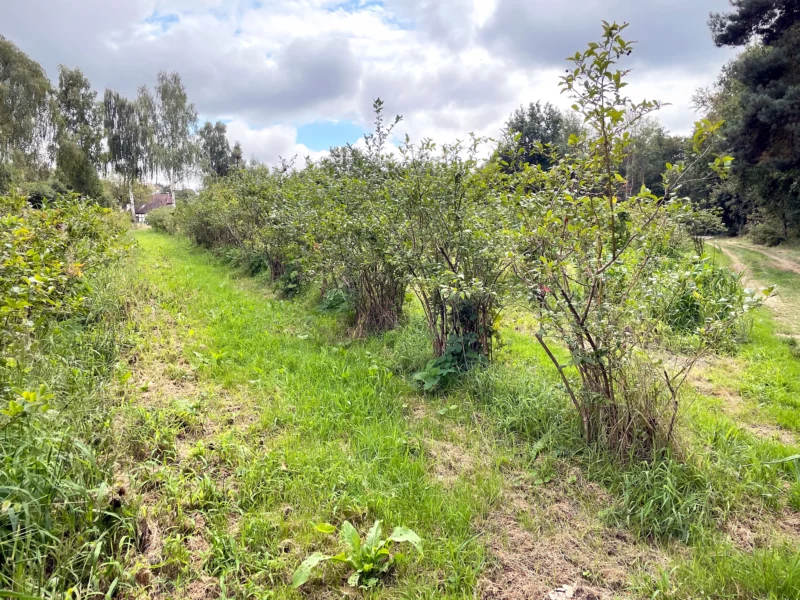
63 523
247 420
766 374
305 427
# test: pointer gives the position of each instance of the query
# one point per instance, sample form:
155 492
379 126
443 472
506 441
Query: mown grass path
280 422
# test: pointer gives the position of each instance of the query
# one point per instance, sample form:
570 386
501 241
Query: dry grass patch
547 542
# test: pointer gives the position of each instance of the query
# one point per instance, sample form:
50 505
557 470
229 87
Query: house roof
156 201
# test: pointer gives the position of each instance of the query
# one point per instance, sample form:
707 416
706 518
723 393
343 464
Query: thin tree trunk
133 204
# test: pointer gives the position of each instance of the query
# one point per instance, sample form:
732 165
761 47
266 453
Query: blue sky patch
355 5
321 135
165 21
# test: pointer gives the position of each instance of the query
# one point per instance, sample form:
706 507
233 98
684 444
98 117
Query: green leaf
791 458
303 572
350 537
373 537
326 528
342 558
404 534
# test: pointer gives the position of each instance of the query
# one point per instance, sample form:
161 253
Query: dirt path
736 264
779 262
786 308
739 267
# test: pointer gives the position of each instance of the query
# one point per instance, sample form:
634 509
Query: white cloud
449 66
269 143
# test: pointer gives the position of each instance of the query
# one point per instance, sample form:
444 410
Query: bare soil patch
772 432
764 530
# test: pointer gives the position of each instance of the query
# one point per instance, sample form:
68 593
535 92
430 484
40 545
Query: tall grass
65 522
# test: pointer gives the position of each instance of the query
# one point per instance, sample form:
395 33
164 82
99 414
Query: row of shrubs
62 320
46 255
606 272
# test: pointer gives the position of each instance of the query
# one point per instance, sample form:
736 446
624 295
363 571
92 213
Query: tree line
757 97
66 134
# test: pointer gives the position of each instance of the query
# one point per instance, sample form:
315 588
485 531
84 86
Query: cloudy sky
297 76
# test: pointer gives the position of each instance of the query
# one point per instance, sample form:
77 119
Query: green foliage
666 499
61 518
758 92
265 214
79 133
25 104
290 282
40 193
174 126
651 147
336 300
370 559
162 219
352 234
532 131
237 156
215 151
45 255
76 171
695 294
63 524
767 233
130 132
720 570
700 223
592 258
459 355
456 241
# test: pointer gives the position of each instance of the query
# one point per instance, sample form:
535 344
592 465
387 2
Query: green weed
370 559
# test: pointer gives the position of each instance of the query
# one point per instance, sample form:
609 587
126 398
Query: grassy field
248 420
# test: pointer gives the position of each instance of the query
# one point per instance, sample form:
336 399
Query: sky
293 77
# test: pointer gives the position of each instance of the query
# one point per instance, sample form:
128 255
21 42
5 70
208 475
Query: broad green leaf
350 537
342 558
303 572
373 537
791 458
326 528
404 534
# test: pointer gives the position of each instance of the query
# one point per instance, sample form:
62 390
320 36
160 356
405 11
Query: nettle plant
454 242
370 559
590 255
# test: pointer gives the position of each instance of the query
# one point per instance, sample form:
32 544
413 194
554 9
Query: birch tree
130 129
176 126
